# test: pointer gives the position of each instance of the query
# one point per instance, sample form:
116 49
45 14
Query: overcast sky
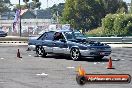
50 2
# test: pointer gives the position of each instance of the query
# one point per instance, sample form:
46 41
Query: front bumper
32 47
95 52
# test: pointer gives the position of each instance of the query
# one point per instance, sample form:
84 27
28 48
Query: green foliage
113 6
3 6
117 24
95 32
108 24
7 1
80 14
32 5
87 14
58 8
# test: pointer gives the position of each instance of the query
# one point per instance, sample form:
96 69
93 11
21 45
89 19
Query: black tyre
98 57
40 51
81 80
75 54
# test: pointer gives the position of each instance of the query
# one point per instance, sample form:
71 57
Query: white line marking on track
29 55
70 67
42 74
95 63
1 58
122 59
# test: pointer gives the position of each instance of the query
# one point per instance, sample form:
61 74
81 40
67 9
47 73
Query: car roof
63 31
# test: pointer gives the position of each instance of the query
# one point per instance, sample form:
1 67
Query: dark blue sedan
3 34
72 43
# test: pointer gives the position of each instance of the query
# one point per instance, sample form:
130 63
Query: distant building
129 6
27 14
7 15
43 14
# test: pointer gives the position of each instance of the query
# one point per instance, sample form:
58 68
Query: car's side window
42 37
58 36
49 36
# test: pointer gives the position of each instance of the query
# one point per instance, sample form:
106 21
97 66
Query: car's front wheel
75 54
40 51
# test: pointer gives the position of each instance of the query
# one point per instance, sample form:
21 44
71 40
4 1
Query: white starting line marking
70 67
42 74
1 58
122 59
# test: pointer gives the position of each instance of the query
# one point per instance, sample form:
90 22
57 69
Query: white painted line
29 55
42 74
95 63
1 58
103 63
70 67
116 59
122 59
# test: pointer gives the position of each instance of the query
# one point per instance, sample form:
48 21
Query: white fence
29 26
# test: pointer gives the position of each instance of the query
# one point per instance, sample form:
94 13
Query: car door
60 45
48 42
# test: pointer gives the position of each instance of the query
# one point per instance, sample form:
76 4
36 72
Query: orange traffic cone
110 64
81 71
18 54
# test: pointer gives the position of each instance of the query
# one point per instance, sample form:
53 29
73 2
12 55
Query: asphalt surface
57 71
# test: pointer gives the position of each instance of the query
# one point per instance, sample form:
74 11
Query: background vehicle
71 43
3 34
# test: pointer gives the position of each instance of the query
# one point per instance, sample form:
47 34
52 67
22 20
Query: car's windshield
73 35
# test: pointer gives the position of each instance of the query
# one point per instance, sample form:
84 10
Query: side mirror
62 40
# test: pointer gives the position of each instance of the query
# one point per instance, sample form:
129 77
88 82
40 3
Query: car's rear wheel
40 51
98 57
75 54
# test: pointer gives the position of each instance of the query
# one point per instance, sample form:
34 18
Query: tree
80 14
87 14
117 24
3 6
29 5
57 8
7 1
113 6
32 5
131 6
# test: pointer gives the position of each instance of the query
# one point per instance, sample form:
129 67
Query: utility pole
20 18
47 4
131 7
